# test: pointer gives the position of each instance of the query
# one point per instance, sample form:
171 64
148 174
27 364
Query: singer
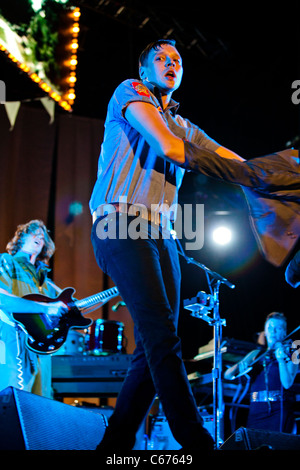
141 160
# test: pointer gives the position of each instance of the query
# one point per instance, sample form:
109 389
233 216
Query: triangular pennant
49 105
12 109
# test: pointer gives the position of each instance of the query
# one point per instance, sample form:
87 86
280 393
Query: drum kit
102 338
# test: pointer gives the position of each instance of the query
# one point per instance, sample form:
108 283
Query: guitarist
23 270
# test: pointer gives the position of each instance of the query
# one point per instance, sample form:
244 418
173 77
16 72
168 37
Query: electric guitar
47 333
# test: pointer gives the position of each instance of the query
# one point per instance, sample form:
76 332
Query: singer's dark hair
154 45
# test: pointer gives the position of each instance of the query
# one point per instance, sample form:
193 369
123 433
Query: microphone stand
214 281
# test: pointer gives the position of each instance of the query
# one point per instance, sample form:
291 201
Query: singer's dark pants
147 274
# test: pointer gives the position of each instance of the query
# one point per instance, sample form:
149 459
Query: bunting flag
12 109
49 105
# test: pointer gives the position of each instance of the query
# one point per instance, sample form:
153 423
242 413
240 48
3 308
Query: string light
72 61
76 13
67 98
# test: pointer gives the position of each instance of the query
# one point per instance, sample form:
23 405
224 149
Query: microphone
117 305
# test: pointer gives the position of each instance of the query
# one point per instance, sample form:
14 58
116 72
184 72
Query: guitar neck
100 298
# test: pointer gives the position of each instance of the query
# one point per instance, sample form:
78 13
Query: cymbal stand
201 307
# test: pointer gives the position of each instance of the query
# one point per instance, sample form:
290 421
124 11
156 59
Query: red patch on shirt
140 89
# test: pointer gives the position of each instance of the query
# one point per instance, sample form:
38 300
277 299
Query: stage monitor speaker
31 422
256 439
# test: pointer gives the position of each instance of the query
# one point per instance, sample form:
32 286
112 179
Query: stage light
45 87
71 96
75 28
35 77
74 44
75 208
73 61
222 235
76 13
24 67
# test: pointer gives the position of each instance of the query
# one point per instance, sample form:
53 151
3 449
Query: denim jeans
146 271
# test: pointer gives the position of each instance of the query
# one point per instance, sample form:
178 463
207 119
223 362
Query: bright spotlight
222 235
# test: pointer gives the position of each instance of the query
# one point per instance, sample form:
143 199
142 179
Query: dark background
239 66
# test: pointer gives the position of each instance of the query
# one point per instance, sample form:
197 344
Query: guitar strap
19 360
55 287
